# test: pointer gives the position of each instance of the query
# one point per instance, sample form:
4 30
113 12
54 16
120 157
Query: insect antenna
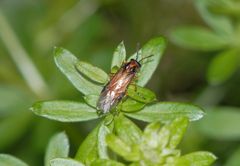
145 58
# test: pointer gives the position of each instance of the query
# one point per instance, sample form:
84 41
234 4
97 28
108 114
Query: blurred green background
199 66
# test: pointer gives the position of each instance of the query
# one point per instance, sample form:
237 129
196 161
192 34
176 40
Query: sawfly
113 92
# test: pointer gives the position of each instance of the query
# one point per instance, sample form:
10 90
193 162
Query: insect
116 88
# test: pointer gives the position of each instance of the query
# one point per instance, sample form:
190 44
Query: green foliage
196 158
141 94
165 111
154 48
64 111
57 147
67 62
101 162
65 162
94 146
223 37
8 160
119 56
156 145
94 73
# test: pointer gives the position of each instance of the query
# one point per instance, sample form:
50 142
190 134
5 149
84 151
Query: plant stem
20 57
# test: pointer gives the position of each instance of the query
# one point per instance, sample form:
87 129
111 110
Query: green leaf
57 147
177 128
127 131
196 159
65 162
154 48
91 100
221 123
66 62
163 136
220 23
198 38
151 135
120 147
234 159
102 162
141 94
119 56
94 73
223 66
88 150
114 69
167 111
64 111
13 128
131 105
8 160
102 145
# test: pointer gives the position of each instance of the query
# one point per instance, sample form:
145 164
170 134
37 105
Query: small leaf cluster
222 37
156 145
116 137
140 104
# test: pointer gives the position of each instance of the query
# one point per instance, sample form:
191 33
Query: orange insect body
116 88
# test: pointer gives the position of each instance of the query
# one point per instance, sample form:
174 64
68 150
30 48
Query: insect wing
105 100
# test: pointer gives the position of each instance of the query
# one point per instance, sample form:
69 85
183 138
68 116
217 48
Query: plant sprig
155 145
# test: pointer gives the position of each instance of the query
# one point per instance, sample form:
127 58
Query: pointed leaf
122 148
66 62
102 145
198 38
65 162
150 135
177 128
119 56
167 111
164 136
127 130
94 73
88 150
8 160
131 105
141 94
64 111
154 48
102 162
223 66
57 147
196 159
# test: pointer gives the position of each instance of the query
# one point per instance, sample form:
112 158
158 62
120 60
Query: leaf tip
57 51
36 108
